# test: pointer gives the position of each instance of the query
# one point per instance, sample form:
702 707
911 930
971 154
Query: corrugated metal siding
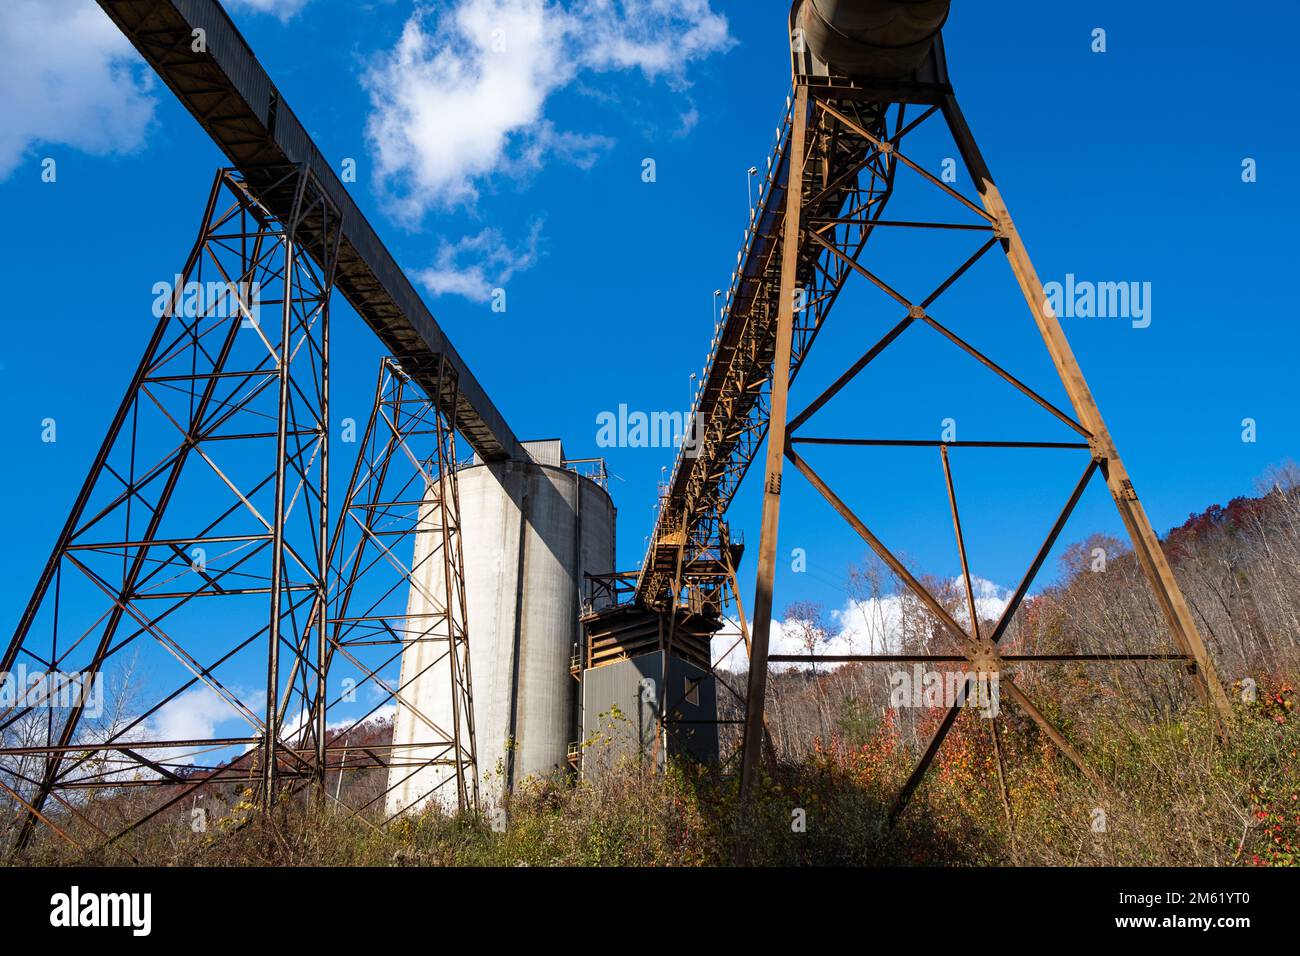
548 451
229 48
619 721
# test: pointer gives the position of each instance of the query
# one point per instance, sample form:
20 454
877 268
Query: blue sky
1118 166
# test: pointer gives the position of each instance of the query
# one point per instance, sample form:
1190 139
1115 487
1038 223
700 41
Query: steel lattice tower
398 589
844 152
199 536
841 155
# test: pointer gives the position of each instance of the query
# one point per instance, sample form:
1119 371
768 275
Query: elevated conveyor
224 86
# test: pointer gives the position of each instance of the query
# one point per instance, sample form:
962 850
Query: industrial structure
430 559
866 74
531 530
397 566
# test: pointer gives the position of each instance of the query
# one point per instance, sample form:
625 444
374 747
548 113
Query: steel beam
1146 544
830 107
226 89
766 575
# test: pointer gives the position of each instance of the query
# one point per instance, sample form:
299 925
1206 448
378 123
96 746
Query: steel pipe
885 39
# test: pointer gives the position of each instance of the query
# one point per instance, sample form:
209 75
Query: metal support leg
198 522
766 575
1146 544
398 620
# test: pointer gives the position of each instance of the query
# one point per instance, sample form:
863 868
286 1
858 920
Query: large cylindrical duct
883 39
529 531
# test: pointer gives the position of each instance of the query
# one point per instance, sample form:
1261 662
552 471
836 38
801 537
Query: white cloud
192 716
463 94
575 149
284 10
475 265
657 37
871 626
689 120
196 715
727 649
69 78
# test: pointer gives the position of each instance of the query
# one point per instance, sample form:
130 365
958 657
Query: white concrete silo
529 531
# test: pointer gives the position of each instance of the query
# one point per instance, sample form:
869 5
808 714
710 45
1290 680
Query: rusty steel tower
200 528
866 74
201 544
397 573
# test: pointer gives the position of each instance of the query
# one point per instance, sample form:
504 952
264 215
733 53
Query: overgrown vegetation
1174 795
1173 792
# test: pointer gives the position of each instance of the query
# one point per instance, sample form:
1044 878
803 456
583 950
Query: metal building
530 531
635 712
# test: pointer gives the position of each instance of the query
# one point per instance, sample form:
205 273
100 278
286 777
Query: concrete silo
529 531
